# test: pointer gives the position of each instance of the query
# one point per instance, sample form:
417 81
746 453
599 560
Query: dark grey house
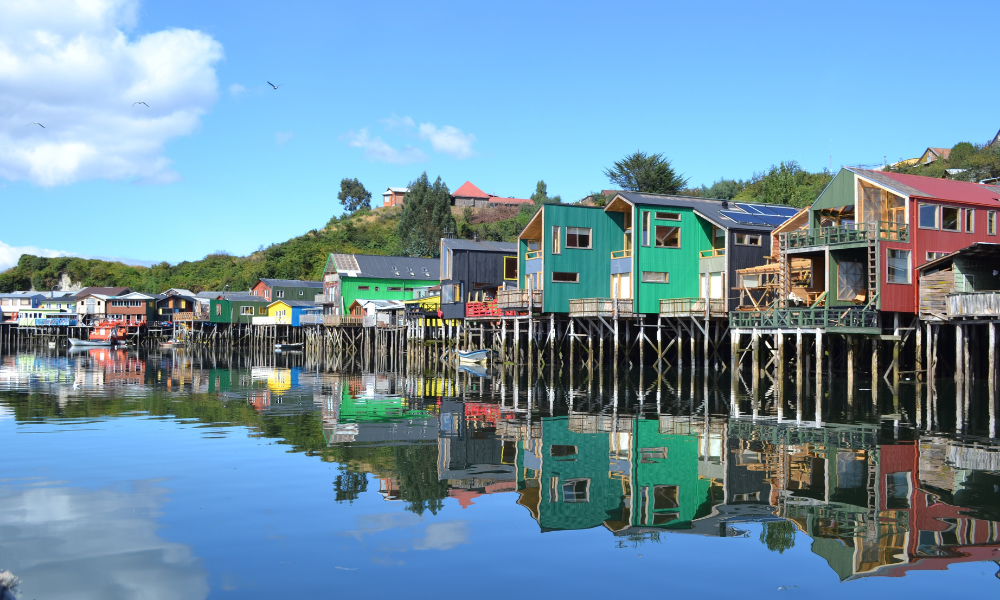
472 270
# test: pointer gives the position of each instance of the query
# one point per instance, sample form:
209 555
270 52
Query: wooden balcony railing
264 321
712 252
600 307
847 234
975 304
519 299
532 255
809 318
621 254
692 307
183 316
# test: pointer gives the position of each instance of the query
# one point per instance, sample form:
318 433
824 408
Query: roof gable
934 188
467 190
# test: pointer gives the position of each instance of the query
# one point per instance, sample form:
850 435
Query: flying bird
140 102
275 86
35 123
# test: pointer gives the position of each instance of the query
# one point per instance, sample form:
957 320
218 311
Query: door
715 286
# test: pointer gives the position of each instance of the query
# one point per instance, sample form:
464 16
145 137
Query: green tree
650 173
426 217
419 486
723 189
785 183
541 195
778 536
353 195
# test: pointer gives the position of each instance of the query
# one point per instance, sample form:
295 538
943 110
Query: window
655 277
576 490
645 228
935 255
668 216
451 293
748 239
666 496
949 219
898 266
279 294
751 281
557 450
970 220
246 310
565 277
364 288
218 310
376 288
649 455
510 268
851 284
578 237
668 237
991 222
394 289
897 490
556 240
928 216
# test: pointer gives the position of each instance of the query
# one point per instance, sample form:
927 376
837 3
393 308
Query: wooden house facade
289 312
473 271
134 306
236 308
348 277
172 303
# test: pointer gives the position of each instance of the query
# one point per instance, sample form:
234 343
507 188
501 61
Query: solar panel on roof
745 218
772 219
785 211
752 209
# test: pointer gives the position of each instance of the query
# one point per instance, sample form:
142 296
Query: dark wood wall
743 257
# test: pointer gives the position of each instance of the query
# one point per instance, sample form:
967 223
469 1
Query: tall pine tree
426 217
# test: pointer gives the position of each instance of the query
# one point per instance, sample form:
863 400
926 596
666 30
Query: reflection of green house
666 488
375 409
642 478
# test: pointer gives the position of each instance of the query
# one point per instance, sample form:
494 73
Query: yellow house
287 312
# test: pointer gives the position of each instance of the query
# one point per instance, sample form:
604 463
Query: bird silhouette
275 86
35 123
140 102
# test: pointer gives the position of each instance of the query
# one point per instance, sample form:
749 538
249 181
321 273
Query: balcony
712 253
692 307
846 319
520 299
621 262
861 233
975 304
264 321
600 307
533 261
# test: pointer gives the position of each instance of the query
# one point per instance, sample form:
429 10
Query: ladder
784 285
873 265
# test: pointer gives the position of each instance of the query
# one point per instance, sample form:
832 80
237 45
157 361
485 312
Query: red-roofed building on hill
470 195
932 154
869 235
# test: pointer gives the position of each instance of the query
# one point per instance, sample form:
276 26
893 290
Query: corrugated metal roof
295 303
978 250
934 188
457 244
395 267
292 283
709 208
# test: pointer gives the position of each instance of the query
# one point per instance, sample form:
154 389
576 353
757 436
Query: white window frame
590 238
909 266
937 216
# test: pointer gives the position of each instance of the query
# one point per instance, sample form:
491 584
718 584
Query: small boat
287 346
104 333
475 356
477 370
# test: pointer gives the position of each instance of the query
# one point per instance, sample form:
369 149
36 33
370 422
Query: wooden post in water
755 341
819 369
734 358
850 371
959 359
779 395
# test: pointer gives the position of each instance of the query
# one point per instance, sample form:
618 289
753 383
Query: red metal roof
945 189
469 191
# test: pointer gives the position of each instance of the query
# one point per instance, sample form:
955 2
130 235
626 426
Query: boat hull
75 342
477 356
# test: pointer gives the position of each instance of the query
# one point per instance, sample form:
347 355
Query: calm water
133 475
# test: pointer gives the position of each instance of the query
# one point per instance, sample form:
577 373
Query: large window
668 237
578 237
991 222
928 216
510 268
576 490
970 220
451 293
561 277
898 266
851 281
556 240
655 277
949 219
558 450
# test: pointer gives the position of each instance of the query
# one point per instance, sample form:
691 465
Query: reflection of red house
389 488
482 413
260 399
939 534
465 497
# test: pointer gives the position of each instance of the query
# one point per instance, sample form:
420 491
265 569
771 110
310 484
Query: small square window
949 219
578 237
279 294
928 216
668 237
668 216
935 255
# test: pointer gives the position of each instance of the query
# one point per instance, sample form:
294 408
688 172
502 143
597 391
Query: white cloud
443 536
94 543
237 88
376 149
10 254
283 136
394 122
70 65
448 140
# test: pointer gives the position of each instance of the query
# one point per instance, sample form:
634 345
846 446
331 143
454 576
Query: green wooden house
686 249
348 277
236 308
565 252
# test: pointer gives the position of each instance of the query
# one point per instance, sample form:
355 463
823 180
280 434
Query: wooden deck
600 307
519 299
692 307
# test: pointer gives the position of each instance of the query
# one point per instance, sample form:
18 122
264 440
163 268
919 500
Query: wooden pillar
734 358
919 364
959 358
819 368
850 370
755 341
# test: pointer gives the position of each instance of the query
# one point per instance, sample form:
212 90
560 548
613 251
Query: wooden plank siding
742 257
681 263
933 291
468 268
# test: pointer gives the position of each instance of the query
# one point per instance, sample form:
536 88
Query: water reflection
637 459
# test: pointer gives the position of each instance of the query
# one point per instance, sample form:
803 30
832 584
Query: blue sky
502 95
